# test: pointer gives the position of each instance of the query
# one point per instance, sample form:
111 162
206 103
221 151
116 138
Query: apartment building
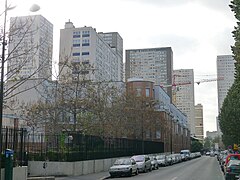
90 55
199 130
29 63
30 48
183 94
154 64
225 74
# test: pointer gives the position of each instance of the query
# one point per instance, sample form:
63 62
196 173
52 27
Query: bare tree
28 60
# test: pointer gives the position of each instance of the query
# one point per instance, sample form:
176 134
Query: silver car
161 159
124 166
143 163
154 162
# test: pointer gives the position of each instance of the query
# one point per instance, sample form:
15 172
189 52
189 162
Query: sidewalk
95 176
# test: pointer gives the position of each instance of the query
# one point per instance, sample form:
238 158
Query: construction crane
209 80
197 82
175 85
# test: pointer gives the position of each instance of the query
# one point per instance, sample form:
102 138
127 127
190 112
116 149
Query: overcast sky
197 31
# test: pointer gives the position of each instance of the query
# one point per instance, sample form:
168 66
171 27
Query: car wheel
136 173
150 168
130 173
145 169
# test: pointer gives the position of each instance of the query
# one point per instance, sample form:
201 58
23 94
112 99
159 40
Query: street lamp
7 8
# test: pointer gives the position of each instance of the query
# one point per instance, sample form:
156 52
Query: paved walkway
95 176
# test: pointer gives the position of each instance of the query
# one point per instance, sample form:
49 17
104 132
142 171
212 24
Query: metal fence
15 139
78 147
71 146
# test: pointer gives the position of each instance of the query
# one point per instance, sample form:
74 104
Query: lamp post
33 8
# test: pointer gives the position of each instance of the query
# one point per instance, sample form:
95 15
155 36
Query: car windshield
138 158
122 162
234 157
161 157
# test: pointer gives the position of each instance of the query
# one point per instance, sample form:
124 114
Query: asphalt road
203 168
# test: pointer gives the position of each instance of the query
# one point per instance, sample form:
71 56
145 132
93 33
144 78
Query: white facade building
29 64
81 46
225 72
183 95
199 130
30 48
115 41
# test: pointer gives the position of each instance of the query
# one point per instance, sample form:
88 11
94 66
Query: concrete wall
19 173
35 168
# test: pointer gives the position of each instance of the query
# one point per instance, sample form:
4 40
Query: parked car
143 163
186 152
124 166
178 158
154 162
232 169
212 154
222 161
232 157
161 159
169 160
183 157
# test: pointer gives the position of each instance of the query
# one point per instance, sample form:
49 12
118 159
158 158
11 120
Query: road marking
174 178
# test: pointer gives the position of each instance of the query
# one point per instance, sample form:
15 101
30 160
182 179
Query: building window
76 45
76 54
85 53
147 92
138 91
76 34
85 33
85 44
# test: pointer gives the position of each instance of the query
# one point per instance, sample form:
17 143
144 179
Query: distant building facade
225 72
155 64
183 94
29 63
84 46
199 127
170 126
115 41
212 134
30 47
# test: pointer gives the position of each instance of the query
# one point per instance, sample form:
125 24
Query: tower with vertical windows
30 48
225 72
155 64
183 94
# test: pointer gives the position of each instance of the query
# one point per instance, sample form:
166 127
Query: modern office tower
199 133
225 72
183 94
115 41
88 55
30 48
154 64
29 62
